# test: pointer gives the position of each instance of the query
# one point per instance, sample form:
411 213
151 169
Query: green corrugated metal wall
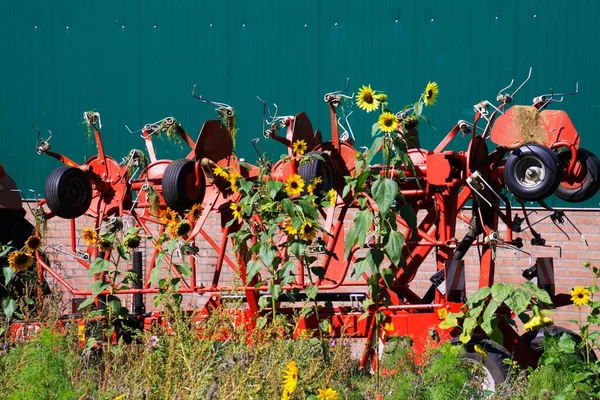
136 61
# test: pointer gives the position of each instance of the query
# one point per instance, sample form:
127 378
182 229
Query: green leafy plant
484 309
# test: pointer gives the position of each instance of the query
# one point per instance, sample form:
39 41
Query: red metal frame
441 193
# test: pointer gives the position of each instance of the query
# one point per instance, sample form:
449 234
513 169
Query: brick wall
569 255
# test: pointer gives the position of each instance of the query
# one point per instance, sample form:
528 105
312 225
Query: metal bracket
42 145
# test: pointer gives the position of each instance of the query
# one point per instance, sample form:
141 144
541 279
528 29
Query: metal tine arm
338 93
227 107
522 84
347 134
152 127
500 94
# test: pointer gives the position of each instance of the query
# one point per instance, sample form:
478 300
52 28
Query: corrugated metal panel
136 62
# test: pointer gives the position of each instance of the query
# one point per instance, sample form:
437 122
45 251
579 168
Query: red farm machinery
526 153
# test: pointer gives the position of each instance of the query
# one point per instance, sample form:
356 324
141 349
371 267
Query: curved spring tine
499 95
264 118
130 131
330 95
524 82
274 116
552 94
345 134
214 103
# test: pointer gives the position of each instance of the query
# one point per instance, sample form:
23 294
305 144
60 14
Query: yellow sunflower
237 210
220 172
294 185
19 260
367 99
310 189
104 245
580 296
168 216
131 241
382 97
327 394
431 93
285 395
233 176
317 180
195 213
387 122
33 243
299 147
180 229
290 378
308 231
289 228
332 195
89 235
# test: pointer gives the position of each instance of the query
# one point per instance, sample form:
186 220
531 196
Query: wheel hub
530 172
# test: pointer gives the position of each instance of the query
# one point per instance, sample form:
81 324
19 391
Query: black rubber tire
68 192
591 184
535 339
318 168
520 161
492 363
175 190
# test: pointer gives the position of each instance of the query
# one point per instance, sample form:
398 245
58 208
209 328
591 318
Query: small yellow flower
431 93
289 228
285 395
104 245
317 180
332 195
237 210
290 378
367 99
547 321
33 243
537 322
19 260
195 213
294 185
382 97
310 189
479 349
233 176
387 122
168 217
220 172
89 235
299 147
308 231
327 394
580 296
180 229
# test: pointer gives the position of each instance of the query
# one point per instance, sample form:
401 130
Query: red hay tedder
536 154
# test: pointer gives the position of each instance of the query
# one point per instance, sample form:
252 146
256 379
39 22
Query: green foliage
481 308
39 369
